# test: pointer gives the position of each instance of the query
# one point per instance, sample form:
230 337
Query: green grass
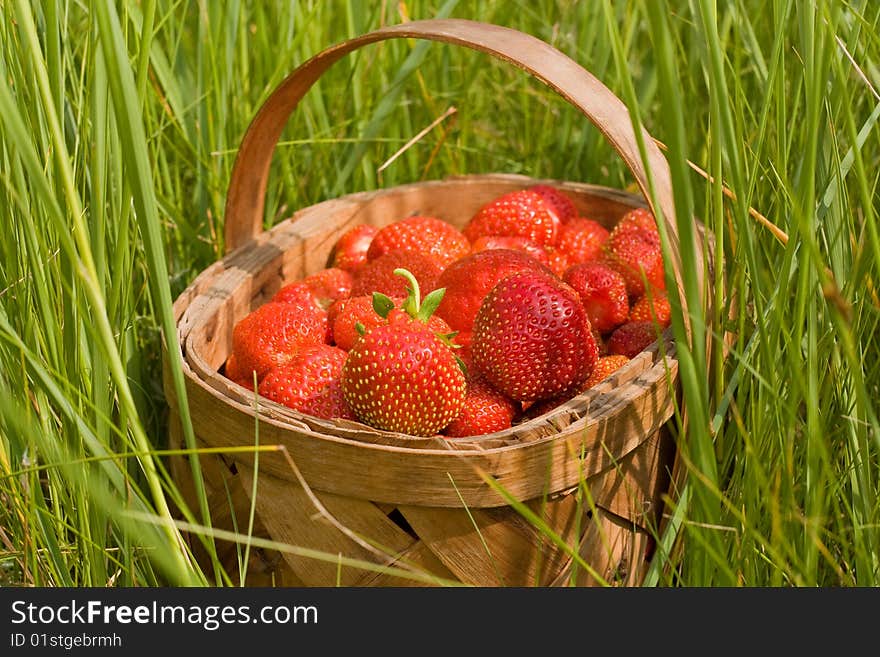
118 129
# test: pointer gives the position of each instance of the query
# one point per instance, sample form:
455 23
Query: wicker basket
365 507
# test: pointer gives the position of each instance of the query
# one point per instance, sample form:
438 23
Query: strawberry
378 275
557 260
581 239
423 234
521 213
641 222
485 410
558 200
305 294
272 335
632 338
464 339
233 372
602 290
310 383
507 242
348 313
330 285
467 281
633 249
297 292
350 250
652 306
532 338
400 376
606 366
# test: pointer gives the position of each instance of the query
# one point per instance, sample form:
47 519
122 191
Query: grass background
118 128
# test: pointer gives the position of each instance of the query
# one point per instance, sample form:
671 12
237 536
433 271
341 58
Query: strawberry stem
413 305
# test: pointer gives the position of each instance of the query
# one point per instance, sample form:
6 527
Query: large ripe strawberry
400 376
652 306
633 249
467 282
605 367
378 275
506 242
632 338
602 290
310 383
350 250
532 339
581 239
424 234
272 335
558 200
521 213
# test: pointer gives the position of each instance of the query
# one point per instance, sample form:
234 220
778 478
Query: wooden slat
495 547
291 517
614 548
418 557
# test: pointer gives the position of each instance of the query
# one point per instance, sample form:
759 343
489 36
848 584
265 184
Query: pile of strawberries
424 329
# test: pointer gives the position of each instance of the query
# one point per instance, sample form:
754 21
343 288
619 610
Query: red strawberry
557 260
378 275
558 200
632 338
348 313
306 293
640 221
652 306
532 338
633 248
233 372
635 257
272 335
518 214
423 234
485 410
581 239
464 339
350 250
602 290
506 242
330 285
310 383
400 376
297 292
606 366
467 281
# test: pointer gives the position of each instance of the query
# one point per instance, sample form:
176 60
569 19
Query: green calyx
414 306
417 308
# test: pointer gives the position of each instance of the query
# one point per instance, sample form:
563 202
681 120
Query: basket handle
245 200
